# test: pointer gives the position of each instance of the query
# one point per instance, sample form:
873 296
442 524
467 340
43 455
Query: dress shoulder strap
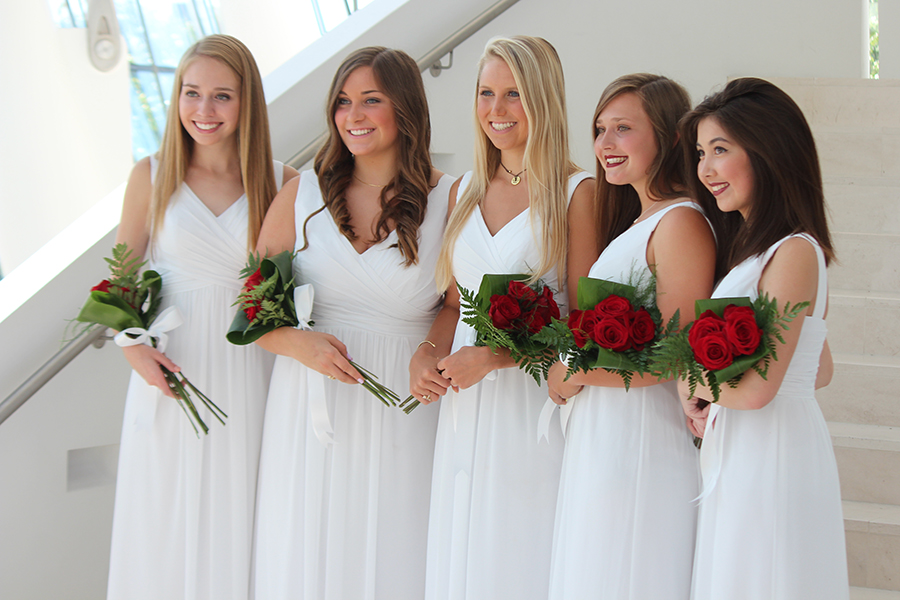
822 286
279 174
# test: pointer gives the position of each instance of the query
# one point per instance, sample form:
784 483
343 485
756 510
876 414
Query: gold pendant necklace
515 176
367 183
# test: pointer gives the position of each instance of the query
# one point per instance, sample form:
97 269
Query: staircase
857 128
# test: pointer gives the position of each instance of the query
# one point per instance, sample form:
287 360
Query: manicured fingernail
360 380
349 358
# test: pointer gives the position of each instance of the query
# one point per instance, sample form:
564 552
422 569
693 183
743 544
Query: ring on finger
427 397
331 377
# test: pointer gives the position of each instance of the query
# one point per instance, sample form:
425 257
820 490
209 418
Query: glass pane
132 28
146 131
333 12
169 32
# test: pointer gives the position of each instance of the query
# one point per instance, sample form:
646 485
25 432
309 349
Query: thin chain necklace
367 183
646 211
515 176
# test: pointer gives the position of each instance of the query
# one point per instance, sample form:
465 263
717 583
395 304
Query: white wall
700 43
65 129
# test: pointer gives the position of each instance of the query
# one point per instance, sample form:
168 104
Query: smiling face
625 143
724 168
364 115
209 104
499 109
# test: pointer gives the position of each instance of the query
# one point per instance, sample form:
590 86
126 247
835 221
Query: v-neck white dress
183 519
348 521
494 488
626 518
771 524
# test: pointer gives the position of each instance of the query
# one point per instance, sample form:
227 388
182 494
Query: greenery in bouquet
267 302
729 337
129 302
613 328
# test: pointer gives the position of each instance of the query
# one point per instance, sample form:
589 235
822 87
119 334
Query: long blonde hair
538 74
254 144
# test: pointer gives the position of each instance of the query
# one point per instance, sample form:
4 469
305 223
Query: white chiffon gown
625 520
183 517
348 521
771 524
494 486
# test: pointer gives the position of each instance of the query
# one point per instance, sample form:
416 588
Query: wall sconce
104 43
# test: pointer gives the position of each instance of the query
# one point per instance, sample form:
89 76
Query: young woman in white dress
494 486
347 519
625 519
183 520
770 523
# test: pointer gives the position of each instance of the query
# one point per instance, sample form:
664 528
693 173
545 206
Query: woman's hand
560 389
468 365
146 361
696 409
319 351
426 383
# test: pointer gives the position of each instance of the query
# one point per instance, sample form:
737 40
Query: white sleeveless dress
771 525
625 520
183 518
349 522
494 488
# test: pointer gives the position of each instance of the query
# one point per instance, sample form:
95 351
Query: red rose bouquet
507 313
729 337
613 328
270 299
129 302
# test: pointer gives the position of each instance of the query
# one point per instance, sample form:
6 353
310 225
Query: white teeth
360 131
615 161
206 126
501 126
719 186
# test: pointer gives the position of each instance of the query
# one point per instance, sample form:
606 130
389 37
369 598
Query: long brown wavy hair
664 101
403 200
254 143
787 194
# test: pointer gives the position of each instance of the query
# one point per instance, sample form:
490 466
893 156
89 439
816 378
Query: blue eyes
347 102
195 94
489 93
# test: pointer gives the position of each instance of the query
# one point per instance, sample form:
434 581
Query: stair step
863 204
868 460
864 593
846 102
863 390
873 547
867 262
863 322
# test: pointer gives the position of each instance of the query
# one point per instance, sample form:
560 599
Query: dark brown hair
404 200
787 181
665 102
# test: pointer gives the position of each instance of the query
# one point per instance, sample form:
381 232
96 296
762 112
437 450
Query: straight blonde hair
254 144
538 74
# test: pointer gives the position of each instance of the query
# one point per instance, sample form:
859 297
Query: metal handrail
92 335
49 370
308 152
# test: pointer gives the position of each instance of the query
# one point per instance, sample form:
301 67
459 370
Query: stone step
864 204
855 153
868 459
862 322
873 548
864 593
867 261
856 103
863 391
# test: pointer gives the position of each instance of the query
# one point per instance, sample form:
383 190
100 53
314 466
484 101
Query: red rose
613 333
251 309
504 310
708 323
103 286
613 306
522 292
254 280
713 351
741 330
643 329
549 306
536 320
581 323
